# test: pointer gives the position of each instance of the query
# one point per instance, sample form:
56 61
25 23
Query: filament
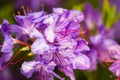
19 13
25 13
21 42
1 69
19 60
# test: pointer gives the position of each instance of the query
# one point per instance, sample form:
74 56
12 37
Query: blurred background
10 7
7 8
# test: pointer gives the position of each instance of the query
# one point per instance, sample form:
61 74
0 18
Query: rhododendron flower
54 42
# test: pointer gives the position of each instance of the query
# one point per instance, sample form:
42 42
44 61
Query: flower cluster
103 47
53 39
57 42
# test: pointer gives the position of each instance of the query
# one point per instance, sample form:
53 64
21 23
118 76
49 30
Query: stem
1 69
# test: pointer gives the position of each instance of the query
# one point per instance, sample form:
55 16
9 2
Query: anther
19 13
83 32
13 14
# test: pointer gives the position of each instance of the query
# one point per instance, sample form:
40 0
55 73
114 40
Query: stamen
13 14
21 42
70 19
68 31
42 5
28 10
19 60
25 13
111 76
33 39
84 32
1 69
60 39
19 13
108 60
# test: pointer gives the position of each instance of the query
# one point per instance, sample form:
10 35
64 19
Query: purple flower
80 61
56 44
39 46
26 26
102 43
63 23
45 70
69 57
115 68
28 68
115 59
93 56
82 45
63 54
8 44
93 18
60 35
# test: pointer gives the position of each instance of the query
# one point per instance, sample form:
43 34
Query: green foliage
109 15
6 13
79 7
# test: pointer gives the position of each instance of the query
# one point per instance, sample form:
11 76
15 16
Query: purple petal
16 29
34 33
28 68
68 71
5 58
81 62
82 45
7 45
92 55
36 15
39 46
115 68
59 10
77 16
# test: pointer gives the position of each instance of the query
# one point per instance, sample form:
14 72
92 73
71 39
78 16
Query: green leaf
6 12
105 11
79 7
110 17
